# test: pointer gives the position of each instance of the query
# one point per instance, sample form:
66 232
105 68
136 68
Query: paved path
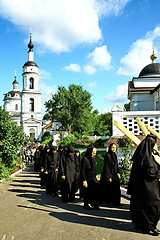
28 213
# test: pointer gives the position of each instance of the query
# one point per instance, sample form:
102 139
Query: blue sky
99 44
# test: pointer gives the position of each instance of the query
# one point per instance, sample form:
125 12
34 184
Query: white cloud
59 25
89 69
43 74
139 54
73 67
99 59
104 110
111 7
45 89
92 85
119 95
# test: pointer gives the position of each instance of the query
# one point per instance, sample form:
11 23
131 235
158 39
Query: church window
31 83
31 104
16 107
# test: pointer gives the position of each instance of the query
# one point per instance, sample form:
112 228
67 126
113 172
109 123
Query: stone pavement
28 213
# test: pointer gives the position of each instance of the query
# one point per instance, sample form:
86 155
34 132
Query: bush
46 135
125 163
4 171
68 140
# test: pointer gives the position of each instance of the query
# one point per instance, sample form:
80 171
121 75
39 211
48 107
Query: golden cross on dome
153 56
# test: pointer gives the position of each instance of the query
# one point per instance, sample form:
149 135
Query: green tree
73 108
12 137
127 106
104 124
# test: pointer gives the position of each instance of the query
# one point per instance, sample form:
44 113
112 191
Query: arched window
16 107
32 132
31 83
31 104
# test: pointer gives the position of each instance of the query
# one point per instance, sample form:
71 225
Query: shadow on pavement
106 217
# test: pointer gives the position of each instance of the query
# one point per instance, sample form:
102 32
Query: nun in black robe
144 187
37 156
68 171
109 182
89 178
51 169
62 152
78 159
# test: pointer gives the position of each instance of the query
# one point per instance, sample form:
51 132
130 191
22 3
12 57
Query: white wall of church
12 105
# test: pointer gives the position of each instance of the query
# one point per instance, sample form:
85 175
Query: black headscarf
143 153
112 154
61 147
89 150
54 148
88 154
70 149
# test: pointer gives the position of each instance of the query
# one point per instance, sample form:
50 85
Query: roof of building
150 69
12 94
48 126
30 63
131 88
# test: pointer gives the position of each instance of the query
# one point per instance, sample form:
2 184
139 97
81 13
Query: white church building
24 106
144 96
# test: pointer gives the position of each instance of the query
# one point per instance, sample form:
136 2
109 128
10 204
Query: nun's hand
63 177
119 176
109 180
85 184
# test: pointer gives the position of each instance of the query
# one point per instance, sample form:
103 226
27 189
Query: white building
144 96
24 106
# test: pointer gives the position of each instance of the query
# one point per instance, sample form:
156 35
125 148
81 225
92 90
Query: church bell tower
31 121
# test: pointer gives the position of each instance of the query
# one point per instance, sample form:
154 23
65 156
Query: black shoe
95 206
87 207
155 232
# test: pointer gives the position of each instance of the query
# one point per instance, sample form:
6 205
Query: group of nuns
67 171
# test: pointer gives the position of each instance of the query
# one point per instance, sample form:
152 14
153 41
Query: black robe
144 186
51 166
68 186
88 173
37 156
110 191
